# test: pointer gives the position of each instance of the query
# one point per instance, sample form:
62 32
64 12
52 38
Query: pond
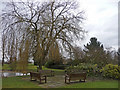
10 74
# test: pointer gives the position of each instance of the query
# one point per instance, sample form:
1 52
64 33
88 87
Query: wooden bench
75 76
47 72
37 75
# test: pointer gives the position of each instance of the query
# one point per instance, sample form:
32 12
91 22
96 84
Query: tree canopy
42 23
94 52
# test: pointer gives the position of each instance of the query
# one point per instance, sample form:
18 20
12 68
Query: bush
91 69
111 71
73 62
59 66
49 63
55 65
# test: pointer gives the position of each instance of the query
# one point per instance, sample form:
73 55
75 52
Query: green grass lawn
20 82
56 71
32 67
5 67
96 84
17 82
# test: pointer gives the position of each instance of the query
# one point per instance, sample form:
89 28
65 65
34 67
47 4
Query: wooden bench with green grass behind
46 72
81 76
37 75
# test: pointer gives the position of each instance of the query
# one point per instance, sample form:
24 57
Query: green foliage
108 71
73 62
93 45
55 65
95 53
111 71
59 66
91 69
49 63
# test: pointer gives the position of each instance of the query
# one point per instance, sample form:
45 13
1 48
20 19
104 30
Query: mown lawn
5 67
96 84
17 82
32 67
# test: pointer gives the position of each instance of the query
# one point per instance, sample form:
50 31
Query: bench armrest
66 75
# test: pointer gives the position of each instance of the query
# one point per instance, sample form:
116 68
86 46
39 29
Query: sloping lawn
17 82
96 84
5 67
32 67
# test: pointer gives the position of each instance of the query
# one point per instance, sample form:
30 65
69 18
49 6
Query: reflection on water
9 74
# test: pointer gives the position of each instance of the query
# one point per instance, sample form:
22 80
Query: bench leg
84 80
69 80
31 78
40 80
45 79
80 80
65 80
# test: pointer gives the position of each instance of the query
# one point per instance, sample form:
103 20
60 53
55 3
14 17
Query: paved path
54 82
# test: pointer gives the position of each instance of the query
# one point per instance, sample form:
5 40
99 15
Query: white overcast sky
101 21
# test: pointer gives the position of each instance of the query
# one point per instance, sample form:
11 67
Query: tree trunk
3 53
3 61
40 67
42 59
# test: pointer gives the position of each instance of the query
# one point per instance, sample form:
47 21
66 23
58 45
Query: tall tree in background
118 53
78 53
44 23
4 37
94 51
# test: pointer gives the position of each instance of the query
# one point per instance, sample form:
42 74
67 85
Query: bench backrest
35 74
74 71
45 71
78 75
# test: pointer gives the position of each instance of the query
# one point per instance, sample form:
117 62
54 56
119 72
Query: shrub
91 69
111 71
55 65
59 66
73 62
49 63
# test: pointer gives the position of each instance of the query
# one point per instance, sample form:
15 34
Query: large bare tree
3 47
44 23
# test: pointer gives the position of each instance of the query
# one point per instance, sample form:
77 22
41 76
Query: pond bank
11 74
